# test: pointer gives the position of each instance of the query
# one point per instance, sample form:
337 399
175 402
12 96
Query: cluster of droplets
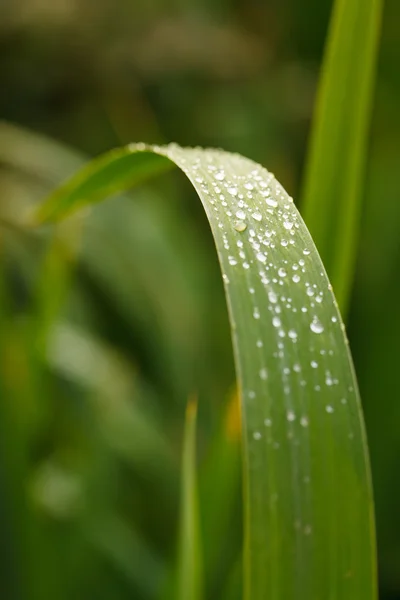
266 227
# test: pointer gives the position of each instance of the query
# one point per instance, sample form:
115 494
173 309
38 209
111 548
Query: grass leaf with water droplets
309 527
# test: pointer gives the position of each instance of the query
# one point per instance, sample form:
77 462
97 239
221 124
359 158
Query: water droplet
241 215
304 422
328 379
232 191
310 292
276 322
261 257
296 278
232 261
240 226
314 364
272 297
267 422
263 374
256 313
316 326
334 319
307 530
257 216
282 272
343 401
288 225
284 243
220 175
296 368
292 334
257 435
271 202
259 344
291 416
249 186
306 252
329 408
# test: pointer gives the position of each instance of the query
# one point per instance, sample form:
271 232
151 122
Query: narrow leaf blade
336 163
309 522
189 560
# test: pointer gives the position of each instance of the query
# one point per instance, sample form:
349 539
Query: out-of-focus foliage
99 451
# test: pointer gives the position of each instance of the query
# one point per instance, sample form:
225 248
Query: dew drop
282 272
220 175
291 416
314 364
263 374
240 226
304 422
267 422
296 278
288 225
232 191
241 215
232 261
257 435
261 257
256 313
316 326
276 322
292 334
271 202
272 297
306 252
257 216
249 186
329 408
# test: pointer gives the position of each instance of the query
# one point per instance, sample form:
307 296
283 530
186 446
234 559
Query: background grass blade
338 149
189 567
303 434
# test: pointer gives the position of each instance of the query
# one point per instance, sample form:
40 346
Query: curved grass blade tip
309 527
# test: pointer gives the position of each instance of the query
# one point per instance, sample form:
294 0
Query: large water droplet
271 202
316 326
240 226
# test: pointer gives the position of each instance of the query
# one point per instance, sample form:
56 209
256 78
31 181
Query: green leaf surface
338 148
309 526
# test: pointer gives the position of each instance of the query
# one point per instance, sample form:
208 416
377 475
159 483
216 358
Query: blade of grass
219 496
335 169
309 523
189 567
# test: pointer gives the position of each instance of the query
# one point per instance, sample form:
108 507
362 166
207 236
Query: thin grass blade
335 170
189 567
309 525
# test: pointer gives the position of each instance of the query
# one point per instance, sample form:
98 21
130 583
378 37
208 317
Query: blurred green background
108 326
